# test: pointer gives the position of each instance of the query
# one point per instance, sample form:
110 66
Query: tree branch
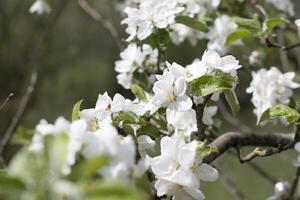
96 16
5 101
8 134
234 139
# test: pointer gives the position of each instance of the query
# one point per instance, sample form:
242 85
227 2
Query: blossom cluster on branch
167 133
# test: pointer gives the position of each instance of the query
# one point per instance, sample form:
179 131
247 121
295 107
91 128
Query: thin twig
6 101
263 173
271 44
96 16
8 134
231 187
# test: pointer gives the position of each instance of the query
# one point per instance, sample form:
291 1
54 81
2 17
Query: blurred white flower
209 112
270 87
194 7
286 6
40 7
142 21
179 33
74 131
145 143
223 27
281 189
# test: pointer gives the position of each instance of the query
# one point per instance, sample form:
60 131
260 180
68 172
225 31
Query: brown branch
8 134
234 139
271 44
6 101
258 152
96 16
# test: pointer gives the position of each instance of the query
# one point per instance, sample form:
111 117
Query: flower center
171 97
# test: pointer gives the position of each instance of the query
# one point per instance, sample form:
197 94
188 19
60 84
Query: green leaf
247 23
76 110
232 101
271 23
192 23
22 136
209 84
127 118
138 91
237 35
10 183
160 40
140 79
280 111
88 168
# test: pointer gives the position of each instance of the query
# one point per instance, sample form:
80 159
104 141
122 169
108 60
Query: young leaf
209 84
138 91
247 23
233 101
76 110
269 24
192 23
237 35
280 111
23 136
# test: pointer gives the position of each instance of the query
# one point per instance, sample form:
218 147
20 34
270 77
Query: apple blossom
40 7
74 131
142 21
281 189
134 58
270 87
223 27
179 169
195 7
286 6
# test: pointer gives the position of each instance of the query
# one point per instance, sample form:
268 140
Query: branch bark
234 139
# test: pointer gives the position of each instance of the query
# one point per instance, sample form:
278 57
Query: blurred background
73 56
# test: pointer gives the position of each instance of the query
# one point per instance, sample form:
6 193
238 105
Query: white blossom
281 189
213 61
194 7
74 131
170 92
142 21
223 27
184 127
297 22
145 143
270 87
40 7
286 6
182 32
179 169
209 112
134 58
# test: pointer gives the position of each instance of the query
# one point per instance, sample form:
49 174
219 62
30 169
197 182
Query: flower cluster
103 142
135 59
270 87
150 15
179 169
